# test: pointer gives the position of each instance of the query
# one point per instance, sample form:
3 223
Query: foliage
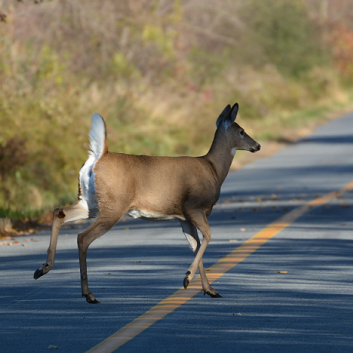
159 72
343 50
287 37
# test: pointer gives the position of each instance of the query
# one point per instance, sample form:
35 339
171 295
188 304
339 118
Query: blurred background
159 72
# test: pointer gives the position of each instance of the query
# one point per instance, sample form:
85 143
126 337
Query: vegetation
160 72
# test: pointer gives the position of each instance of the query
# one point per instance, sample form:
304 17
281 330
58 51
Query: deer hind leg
60 216
193 239
101 226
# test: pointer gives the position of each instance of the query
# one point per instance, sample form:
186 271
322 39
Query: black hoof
186 282
212 295
92 301
38 273
95 301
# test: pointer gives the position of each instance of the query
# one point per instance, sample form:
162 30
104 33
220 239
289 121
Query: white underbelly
136 213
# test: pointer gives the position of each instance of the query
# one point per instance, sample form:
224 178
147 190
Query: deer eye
242 133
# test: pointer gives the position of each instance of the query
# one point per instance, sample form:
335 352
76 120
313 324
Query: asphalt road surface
292 292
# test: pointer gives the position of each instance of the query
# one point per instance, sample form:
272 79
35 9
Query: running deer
151 188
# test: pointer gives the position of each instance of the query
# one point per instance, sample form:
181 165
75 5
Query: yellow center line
181 296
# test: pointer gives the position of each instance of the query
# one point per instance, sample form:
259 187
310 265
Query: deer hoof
92 301
186 279
95 301
212 295
38 273
45 268
90 298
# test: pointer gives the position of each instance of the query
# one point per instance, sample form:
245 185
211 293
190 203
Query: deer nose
256 148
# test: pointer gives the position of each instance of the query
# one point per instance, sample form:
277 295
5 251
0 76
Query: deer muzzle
256 148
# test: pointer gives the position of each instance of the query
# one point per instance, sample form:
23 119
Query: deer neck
220 155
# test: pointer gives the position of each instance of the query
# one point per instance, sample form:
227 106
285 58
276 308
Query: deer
153 188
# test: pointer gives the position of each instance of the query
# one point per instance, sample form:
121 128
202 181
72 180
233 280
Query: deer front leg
192 237
60 216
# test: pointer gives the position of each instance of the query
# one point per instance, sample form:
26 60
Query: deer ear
224 115
234 112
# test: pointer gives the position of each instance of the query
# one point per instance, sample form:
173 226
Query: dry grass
5 225
159 73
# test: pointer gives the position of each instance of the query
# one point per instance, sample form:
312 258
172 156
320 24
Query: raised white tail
153 188
97 136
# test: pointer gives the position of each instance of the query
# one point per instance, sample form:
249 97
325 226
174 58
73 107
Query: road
291 293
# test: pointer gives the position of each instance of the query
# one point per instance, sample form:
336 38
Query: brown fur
159 185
